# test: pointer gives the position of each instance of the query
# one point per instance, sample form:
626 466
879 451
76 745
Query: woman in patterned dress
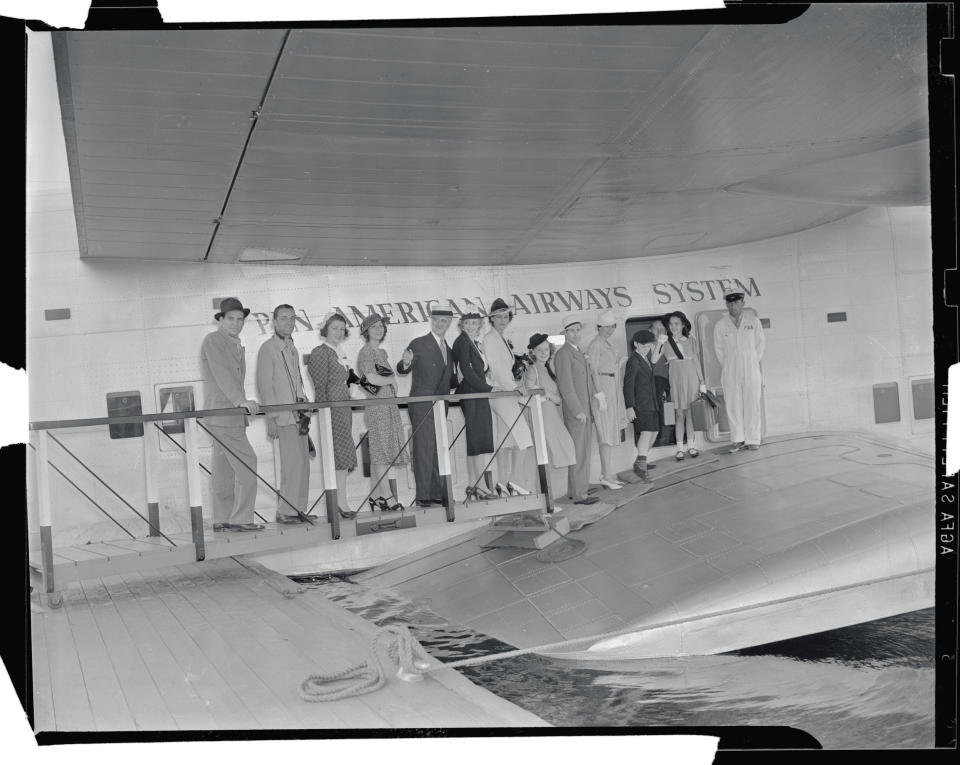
611 415
686 378
540 374
331 377
384 426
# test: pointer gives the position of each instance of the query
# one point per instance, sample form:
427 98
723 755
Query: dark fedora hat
230 304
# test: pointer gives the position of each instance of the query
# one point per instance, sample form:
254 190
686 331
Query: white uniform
739 352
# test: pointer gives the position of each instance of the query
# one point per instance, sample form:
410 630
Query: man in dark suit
431 360
578 391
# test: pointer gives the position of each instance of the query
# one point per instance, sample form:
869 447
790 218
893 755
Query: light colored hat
732 293
330 314
606 319
370 320
569 320
440 311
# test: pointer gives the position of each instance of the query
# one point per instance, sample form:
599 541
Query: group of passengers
589 392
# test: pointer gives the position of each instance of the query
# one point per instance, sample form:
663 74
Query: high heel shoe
502 491
516 489
474 492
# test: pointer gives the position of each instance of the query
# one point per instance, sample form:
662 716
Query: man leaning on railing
234 487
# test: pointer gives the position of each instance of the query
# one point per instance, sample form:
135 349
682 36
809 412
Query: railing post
443 453
193 484
277 467
43 511
540 447
329 465
150 480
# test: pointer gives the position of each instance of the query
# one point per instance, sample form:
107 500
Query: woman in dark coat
472 375
641 399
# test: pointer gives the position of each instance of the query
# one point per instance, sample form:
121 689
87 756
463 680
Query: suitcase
669 415
704 415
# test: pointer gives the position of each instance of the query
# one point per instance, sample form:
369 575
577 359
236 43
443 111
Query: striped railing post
443 453
329 466
193 485
277 467
44 515
540 447
150 483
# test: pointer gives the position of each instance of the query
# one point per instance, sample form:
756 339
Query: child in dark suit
641 399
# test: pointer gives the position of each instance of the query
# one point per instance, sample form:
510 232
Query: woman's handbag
711 399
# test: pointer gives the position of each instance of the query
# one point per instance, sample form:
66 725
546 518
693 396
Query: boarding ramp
139 543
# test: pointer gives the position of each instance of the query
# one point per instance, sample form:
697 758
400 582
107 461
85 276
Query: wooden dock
223 645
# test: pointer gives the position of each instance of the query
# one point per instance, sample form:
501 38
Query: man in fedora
577 391
431 361
738 343
279 381
234 481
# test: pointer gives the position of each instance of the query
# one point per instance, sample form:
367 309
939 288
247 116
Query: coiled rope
370 675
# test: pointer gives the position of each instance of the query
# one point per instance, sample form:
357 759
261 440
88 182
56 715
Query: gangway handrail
313 406
191 420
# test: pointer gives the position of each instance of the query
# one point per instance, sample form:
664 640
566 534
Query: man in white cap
611 415
577 390
431 360
738 343
234 483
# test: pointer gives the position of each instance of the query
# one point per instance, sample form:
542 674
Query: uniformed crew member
738 343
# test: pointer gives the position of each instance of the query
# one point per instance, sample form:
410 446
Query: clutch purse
383 371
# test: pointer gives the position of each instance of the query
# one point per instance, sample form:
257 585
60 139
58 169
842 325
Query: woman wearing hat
682 352
506 411
472 370
540 374
610 417
640 396
331 377
384 425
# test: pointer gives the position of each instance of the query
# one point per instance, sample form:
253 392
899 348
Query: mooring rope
370 675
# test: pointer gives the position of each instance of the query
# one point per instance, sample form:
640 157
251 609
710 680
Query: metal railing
321 410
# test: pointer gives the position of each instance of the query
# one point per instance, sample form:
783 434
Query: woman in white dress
611 417
512 460
560 447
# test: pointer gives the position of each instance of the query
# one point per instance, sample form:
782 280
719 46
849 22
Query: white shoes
613 485
516 489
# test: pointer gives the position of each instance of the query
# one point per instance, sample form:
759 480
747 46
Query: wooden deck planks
69 693
218 651
278 664
144 701
107 701
44 718
219 698
187 708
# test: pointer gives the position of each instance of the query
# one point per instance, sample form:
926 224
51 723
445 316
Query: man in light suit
233 480
578 390
431 360
279 382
